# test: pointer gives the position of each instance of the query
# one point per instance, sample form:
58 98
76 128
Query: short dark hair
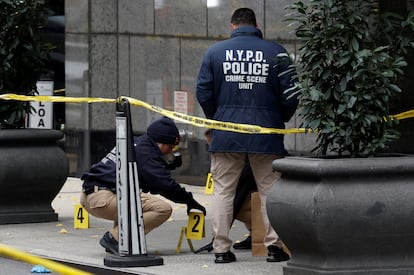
243 16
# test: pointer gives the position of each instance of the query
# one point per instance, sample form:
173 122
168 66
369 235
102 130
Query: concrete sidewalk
80 247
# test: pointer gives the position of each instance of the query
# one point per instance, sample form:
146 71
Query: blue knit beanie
164 131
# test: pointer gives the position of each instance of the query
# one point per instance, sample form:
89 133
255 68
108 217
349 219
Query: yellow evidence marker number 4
80 217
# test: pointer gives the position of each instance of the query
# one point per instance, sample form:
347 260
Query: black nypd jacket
153 173
247 80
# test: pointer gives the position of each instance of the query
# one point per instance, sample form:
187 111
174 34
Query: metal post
132 243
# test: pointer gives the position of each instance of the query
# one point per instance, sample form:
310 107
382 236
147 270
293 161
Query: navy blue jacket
153 174
246 79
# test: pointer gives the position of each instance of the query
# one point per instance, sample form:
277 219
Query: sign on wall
42 115
181 102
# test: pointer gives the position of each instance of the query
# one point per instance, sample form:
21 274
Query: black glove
174 160
193 204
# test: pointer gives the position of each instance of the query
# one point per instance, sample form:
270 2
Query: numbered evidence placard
195 230
209 184
195 227
80 217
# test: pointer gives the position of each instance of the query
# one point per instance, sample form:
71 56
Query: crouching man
99 187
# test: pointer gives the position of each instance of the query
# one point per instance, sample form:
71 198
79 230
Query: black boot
109 243
246 244
208 247
276 254
224 258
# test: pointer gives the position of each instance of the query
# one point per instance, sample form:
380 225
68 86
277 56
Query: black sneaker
208 247
109 243
246 244
224 258
276 254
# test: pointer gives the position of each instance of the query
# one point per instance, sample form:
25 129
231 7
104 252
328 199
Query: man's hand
193 204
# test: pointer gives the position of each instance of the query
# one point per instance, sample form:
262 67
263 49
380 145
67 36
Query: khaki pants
103 204
226 169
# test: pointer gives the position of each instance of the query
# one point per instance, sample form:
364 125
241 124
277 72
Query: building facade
151 50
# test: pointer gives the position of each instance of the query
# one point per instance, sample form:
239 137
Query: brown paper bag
258 230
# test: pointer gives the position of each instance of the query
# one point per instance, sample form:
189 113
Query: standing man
154 175
242 203
248 80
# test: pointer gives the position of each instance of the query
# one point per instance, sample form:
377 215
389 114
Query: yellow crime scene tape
188 119
403 115
49 264
193 120
58 91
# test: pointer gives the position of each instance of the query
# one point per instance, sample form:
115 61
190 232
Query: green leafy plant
22 55
350 63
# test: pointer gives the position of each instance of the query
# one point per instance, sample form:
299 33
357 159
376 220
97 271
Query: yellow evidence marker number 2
80 217
195 227
209 184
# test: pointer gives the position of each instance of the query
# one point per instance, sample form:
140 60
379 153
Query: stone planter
345 216
33 168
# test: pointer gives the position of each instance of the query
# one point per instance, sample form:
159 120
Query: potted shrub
347 210
33 167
